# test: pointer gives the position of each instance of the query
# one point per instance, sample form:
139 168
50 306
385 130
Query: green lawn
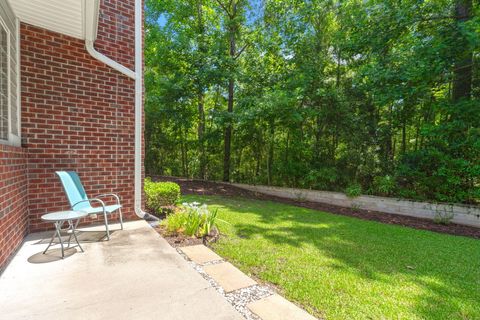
345 268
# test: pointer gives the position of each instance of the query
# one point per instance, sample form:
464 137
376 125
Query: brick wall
13 200
77 113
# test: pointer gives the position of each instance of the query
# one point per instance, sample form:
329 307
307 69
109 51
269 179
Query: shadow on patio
135 275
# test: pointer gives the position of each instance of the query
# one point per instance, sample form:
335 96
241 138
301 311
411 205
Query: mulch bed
180 240
200 187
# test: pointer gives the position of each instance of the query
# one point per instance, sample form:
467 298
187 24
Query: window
4 103
9 79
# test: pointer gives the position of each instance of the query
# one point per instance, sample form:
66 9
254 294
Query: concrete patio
135 275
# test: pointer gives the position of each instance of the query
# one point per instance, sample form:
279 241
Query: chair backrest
73 189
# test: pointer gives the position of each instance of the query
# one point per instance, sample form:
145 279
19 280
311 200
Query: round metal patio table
59 219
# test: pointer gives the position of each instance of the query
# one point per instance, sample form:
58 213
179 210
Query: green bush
384 185
161 194
192 220
353 190
436 175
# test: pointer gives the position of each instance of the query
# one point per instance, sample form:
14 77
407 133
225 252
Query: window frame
12 139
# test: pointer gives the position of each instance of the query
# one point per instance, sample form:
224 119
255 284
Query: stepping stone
200 254
229 277
276 307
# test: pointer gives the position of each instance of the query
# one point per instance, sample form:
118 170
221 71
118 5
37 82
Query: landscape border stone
456 213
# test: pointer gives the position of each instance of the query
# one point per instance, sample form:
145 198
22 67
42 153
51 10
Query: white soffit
63 16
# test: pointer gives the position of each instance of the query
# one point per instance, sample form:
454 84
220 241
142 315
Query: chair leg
121 218
106 225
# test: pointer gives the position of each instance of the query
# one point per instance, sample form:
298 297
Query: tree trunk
201 134
228 133
389 144
201 94
185 139
231 90
239 160
462 73
257 165
318 136
287 154
417 133
394 148
183 154
335 142
270 153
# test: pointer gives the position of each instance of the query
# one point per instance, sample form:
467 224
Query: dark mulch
180 240
189 186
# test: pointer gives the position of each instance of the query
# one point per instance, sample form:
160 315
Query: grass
340 267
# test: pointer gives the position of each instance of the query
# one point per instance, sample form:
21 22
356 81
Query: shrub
353 190
384 185
192 220
436 175
323 179
161 194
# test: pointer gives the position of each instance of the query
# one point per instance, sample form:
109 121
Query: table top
64 215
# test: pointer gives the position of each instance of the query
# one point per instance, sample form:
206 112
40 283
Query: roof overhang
75 18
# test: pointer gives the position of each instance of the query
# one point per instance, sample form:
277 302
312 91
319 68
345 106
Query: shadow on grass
445 268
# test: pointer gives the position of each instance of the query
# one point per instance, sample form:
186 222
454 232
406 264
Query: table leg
70 224
74 226
58 232
58 226
51 240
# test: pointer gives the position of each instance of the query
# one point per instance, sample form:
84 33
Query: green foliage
353 190
327 93
192 220
384 186
160 194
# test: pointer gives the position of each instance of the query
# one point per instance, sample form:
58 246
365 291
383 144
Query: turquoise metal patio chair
77 197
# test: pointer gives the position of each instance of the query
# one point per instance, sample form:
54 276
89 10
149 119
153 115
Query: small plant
161 195
353 190
210 223
444 216
300 196
384 185
192 220
355 206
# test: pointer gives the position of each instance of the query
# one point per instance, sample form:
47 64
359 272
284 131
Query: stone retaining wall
461 214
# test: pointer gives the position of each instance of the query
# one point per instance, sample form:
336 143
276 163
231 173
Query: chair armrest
89 201
109 195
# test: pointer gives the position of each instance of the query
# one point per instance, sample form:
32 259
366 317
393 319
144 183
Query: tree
321 94
233 11
462 74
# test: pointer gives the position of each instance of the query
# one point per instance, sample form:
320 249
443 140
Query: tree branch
220 3
425 19
241 51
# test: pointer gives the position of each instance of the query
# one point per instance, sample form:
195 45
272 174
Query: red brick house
71 99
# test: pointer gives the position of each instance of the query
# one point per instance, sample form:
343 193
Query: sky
253 14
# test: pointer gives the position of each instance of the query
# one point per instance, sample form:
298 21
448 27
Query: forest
376 97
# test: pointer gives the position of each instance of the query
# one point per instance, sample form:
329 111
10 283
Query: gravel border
238 298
